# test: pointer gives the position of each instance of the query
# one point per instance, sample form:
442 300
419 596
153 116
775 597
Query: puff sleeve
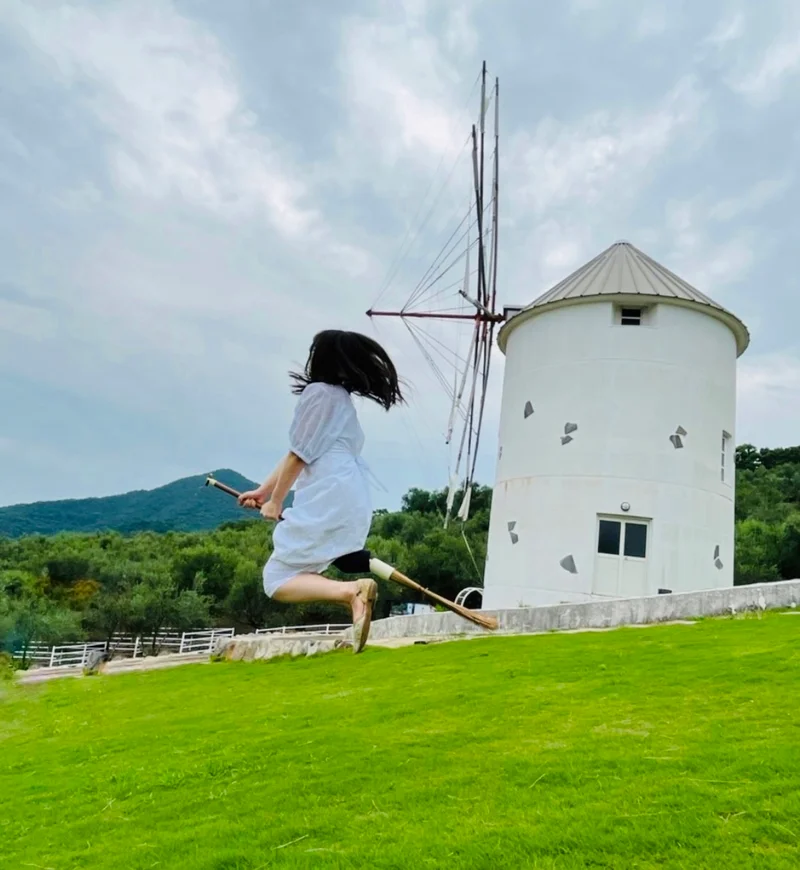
319 419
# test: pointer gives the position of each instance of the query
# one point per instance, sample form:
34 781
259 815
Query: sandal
368 593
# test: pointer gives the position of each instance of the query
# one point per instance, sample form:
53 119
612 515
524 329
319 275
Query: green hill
656 748
184 505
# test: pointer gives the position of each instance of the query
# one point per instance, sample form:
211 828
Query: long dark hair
353 361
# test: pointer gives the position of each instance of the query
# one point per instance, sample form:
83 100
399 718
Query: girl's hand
271 511
253 498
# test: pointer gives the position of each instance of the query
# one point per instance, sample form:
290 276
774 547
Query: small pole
52 656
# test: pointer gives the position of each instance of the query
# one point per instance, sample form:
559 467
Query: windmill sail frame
473 375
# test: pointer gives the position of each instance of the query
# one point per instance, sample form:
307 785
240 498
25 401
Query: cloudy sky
190 189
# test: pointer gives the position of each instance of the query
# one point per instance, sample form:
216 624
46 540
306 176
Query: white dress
332 511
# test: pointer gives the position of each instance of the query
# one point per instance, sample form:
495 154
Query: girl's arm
268 485
288 471
262 493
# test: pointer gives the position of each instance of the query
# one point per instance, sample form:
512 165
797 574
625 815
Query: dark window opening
636 540
609 537
631 316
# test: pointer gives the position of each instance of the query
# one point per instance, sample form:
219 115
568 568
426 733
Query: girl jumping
332 511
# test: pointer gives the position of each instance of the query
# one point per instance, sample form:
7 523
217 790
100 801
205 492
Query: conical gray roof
622 270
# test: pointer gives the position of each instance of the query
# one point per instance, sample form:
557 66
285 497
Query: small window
634 315
725 458
609 537
636 540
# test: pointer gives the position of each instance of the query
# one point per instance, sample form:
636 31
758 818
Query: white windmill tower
615 473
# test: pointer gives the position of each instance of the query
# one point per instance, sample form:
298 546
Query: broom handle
211 482
407 581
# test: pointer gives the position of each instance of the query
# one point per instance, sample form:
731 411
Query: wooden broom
387 572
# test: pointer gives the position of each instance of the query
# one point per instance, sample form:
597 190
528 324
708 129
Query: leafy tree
757 552
157 603
112 611
760 495
247 603
772 457
747 458
64 571
32 617
6 618
206 569
421 501
82 593
789 549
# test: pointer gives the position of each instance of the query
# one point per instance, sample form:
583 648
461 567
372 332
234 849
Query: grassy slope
661 748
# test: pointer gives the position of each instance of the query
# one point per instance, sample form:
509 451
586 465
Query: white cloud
692 229
764 83
605 151
769 398
727 30
163 88
653 20
578 6
400 89
80 198
704 261
181 147
753 199
554 248
460 35
26 320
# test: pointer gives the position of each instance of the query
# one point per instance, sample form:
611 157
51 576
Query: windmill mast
485 316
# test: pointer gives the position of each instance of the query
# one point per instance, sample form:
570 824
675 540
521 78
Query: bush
8 666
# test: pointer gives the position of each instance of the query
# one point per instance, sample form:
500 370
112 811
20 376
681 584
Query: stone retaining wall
264 646
598 614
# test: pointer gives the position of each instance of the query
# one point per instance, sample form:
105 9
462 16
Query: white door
620 569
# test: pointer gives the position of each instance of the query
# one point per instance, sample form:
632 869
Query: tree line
69 587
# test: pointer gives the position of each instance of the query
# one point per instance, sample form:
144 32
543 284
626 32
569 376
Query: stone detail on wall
677 438
568 564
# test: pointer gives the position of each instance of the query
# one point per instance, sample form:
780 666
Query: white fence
182 643
328 628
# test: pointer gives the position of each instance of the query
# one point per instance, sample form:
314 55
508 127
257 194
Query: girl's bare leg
314 587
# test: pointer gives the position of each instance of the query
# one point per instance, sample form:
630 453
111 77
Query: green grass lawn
666 747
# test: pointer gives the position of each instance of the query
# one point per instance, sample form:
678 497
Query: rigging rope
401 256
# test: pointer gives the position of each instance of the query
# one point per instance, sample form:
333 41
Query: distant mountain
185 505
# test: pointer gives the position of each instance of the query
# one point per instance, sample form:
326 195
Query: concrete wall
600 614
588 408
